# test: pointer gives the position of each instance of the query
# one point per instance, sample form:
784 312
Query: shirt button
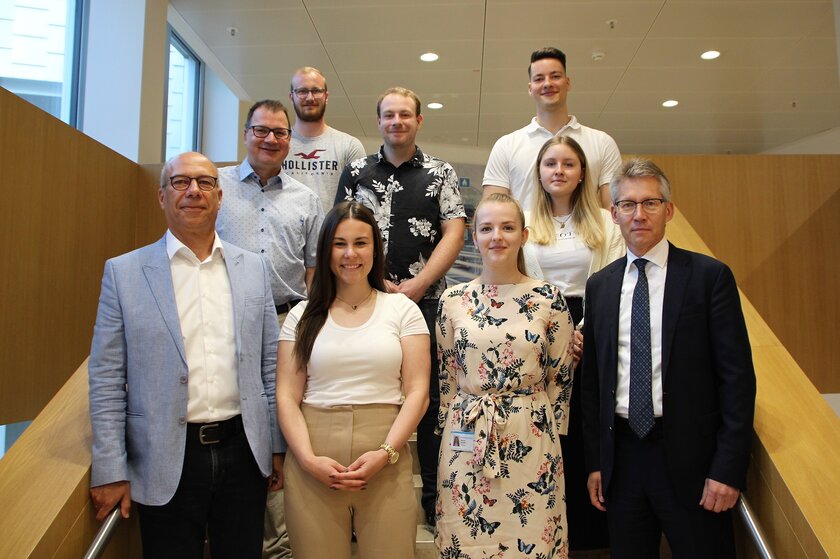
262 209
262 230
262 250
182 421
183 379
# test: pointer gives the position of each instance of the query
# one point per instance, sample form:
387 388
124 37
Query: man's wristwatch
393 455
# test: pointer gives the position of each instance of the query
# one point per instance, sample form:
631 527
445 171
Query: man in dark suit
668 385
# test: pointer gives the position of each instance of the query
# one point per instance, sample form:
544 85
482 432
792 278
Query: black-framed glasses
279 133
183 182
651 205
303 92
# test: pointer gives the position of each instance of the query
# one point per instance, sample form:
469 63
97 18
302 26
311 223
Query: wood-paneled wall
775 219
68 203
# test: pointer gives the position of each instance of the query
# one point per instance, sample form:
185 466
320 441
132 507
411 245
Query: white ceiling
774 53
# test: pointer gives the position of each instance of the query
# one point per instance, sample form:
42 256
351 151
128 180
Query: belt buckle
202 436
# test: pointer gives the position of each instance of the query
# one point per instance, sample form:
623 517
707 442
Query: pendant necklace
357 305
562 222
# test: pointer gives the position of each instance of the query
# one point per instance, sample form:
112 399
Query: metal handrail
754 528
747 515
104 535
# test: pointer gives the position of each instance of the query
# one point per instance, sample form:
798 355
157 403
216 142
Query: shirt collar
174 246
535 126
245 171
416 159
657 255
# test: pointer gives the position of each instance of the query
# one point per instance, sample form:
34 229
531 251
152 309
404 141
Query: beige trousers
321 520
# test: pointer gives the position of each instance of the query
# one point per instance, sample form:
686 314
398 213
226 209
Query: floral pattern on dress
505 375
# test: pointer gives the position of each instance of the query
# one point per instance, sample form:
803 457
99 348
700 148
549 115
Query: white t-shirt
514 156
360 365
318 162
565 263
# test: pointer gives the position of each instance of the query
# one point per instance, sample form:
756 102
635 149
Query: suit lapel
159 277
233 263
612 300
676 280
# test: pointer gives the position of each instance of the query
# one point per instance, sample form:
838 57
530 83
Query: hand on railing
106 497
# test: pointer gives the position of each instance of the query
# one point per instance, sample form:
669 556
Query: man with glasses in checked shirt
268 212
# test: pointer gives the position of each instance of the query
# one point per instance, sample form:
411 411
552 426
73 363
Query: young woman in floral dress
504 341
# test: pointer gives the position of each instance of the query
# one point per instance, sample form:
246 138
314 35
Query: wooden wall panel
67 206
775 219
793 482
150 221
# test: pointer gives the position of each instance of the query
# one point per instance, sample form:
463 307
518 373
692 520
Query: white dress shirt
655 270
205 311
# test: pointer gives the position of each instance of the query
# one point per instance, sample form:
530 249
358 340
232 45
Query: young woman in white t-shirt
352 384
571 238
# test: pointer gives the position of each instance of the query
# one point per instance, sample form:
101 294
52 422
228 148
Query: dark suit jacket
708 378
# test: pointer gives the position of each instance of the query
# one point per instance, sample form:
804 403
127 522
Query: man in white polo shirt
510 168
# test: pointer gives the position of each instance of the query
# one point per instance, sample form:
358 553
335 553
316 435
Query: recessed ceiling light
429 57
435 105
710 55
670 103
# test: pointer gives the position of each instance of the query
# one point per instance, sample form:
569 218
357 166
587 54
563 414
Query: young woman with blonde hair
505 375
571 238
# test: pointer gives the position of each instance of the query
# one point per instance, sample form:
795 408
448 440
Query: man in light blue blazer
182 371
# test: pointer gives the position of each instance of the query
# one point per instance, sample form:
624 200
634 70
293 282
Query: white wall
124 101
221 133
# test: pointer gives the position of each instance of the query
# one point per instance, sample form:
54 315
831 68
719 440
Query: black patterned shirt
409 203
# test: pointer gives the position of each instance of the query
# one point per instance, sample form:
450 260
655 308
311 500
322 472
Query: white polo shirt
513 159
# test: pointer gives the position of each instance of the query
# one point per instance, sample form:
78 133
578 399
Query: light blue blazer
138 370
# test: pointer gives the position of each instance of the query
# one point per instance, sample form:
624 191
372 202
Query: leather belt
214 433
287 306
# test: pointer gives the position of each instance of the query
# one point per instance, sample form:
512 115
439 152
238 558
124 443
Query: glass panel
37 39
9 434
182 102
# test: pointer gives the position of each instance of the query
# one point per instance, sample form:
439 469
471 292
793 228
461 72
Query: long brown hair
501 198
322 294
586 211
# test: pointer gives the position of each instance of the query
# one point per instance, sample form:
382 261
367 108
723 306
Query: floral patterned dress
505 384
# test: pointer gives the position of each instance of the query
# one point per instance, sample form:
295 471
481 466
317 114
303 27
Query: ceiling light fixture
670 103
710 55
435 105
429 57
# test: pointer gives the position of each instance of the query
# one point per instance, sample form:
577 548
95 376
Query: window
183 106
40 44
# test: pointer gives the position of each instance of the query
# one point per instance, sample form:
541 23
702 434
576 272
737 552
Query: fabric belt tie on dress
484 413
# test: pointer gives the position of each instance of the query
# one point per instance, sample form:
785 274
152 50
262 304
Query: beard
310 116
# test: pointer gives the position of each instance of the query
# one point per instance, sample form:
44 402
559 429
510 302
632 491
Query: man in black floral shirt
418 208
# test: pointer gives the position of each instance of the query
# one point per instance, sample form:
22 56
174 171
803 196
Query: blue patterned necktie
641 400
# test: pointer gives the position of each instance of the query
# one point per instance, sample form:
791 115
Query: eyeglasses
651 205
183 182
279 133
302 92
